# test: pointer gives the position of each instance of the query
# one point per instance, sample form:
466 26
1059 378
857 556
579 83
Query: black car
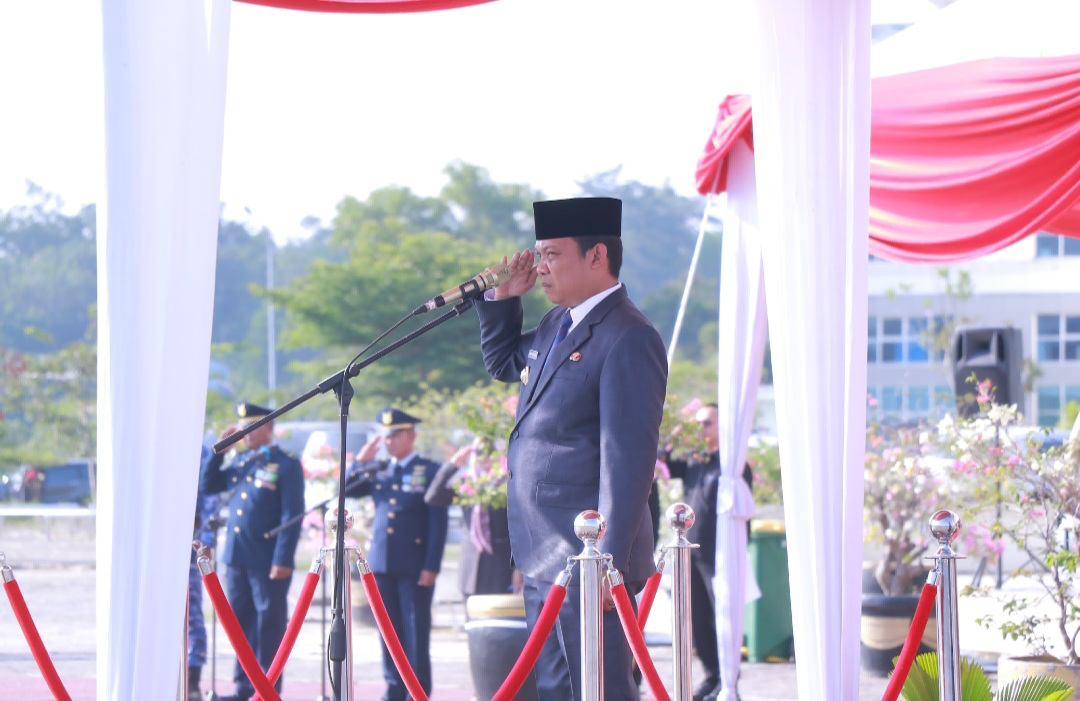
71 483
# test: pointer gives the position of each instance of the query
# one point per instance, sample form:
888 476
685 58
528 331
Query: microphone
491 277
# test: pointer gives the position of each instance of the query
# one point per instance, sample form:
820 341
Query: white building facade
1033 286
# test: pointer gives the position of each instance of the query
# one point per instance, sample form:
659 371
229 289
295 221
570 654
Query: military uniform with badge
407 542
264 488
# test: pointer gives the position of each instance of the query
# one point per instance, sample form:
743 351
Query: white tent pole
689 281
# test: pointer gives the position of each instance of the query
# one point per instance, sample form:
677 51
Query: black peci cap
578 216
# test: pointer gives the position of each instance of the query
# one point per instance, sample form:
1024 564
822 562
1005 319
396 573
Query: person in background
485 566
407 545
593 378
700 475
265 489
205 511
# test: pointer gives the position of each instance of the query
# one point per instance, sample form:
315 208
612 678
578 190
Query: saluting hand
370 449
522 275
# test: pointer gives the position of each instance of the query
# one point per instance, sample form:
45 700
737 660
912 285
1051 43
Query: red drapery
367 6
964 159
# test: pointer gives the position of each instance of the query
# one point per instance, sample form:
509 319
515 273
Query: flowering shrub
901 490
483 487
1038 489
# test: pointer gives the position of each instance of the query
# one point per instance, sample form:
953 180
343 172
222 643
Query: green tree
490 213
659 231
48 404
393 242
48 265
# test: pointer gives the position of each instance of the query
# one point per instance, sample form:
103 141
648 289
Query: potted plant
1033 490
902 487
922 684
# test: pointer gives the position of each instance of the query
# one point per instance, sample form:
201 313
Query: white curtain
812 137
743 330
157 235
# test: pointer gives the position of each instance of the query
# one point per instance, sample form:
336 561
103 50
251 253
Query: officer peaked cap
249 412
578 216
391 419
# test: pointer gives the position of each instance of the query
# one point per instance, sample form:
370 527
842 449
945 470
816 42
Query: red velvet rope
911 645
244 654
544 623
389 635
293 630
637 642
647 597
33 639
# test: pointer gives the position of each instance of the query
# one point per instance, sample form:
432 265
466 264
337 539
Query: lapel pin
525 375
575 356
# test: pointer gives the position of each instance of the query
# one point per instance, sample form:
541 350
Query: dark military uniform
265 488
408 536
700 475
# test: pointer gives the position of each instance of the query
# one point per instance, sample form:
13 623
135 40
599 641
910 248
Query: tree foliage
334 292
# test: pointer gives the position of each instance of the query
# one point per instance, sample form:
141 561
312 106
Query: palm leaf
922 681
974 684
1037 688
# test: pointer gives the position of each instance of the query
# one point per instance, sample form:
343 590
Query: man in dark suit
408 540
700 475
593 378
485 566
265 488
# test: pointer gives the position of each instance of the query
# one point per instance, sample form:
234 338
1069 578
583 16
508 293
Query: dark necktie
564 328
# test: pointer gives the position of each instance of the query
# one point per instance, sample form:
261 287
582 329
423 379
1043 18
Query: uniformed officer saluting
407 546
265 488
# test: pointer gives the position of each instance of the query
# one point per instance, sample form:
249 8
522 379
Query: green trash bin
768 619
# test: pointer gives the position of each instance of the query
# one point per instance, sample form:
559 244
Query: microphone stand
321 506
342 388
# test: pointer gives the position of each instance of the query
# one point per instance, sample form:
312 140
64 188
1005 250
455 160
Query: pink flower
511 404
691 406
871 400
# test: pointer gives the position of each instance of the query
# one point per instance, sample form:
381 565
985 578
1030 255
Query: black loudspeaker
990 353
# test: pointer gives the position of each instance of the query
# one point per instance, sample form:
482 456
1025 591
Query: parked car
71 483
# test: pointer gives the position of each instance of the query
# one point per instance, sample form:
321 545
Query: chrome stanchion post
5 570
681 518
331 519
589 527
945 526
317 566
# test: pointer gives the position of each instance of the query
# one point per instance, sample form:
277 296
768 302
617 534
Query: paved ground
56 577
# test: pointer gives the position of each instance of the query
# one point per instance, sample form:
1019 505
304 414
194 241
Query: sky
320 106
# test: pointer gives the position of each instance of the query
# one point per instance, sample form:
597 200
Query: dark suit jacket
267 489
586 430
700 475
408 535
479 572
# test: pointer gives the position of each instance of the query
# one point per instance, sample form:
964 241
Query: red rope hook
244 654
33 639
293 629
635 638
540 632
911 645
390 637
648 595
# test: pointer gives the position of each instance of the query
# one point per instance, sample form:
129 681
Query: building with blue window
1033 286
